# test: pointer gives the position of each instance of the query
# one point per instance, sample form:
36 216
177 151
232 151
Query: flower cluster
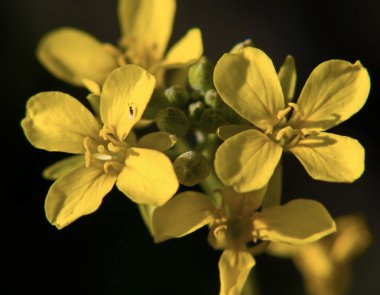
212 153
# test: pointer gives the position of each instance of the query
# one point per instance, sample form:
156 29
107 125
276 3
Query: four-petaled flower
237 223
55 121
146 25
248 83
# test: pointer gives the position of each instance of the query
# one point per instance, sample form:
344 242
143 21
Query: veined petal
63 167
186 51
125 95
56 121
234 268
160 141
247 160
148 177
247 81
183 214
274 192
73 55
288 78
331 157
334 91
297 222
76 194
146 26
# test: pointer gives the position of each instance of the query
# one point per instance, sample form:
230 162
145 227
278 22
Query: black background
110 252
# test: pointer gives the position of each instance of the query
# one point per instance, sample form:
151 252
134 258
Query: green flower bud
173 120
211 119
177 96
212 99
196 109
200 75
156 103
191 168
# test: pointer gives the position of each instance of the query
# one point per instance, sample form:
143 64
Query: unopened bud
200 74
177 96
211 119
173 120
212 99
196 109
191 168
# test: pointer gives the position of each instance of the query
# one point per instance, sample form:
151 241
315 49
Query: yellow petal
234 268
160 141
240 205
146 26
63 167
125 95
331 157
334 91
186 51
274 192
247 81
73 55
288 78
148 177
182 215
146 212
226 131
247 160
55 121
352 238
297 222
76 194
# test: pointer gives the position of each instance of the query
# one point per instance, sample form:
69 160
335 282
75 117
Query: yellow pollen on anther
295 107
268 127
111 164
282 113
101 149
219 229
284 131
113 148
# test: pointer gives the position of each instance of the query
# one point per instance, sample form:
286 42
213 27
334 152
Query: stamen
101 149
268 127
87 153
296 108
111 164
113 148
282 113
219 229
284 131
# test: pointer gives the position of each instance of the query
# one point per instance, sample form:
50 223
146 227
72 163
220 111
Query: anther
87 153
295 107
268 127
282 113
111 164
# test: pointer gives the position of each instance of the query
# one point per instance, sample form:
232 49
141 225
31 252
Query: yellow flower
237 224
248 83
56 121
75 56
326 264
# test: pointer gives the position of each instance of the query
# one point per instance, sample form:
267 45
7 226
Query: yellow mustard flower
247 81
55 121
326 264
74 56
239 229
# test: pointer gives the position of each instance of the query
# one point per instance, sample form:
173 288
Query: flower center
282 133
108 153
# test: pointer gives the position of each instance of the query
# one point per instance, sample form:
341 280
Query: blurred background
110 251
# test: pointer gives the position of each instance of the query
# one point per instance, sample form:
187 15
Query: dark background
110 252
